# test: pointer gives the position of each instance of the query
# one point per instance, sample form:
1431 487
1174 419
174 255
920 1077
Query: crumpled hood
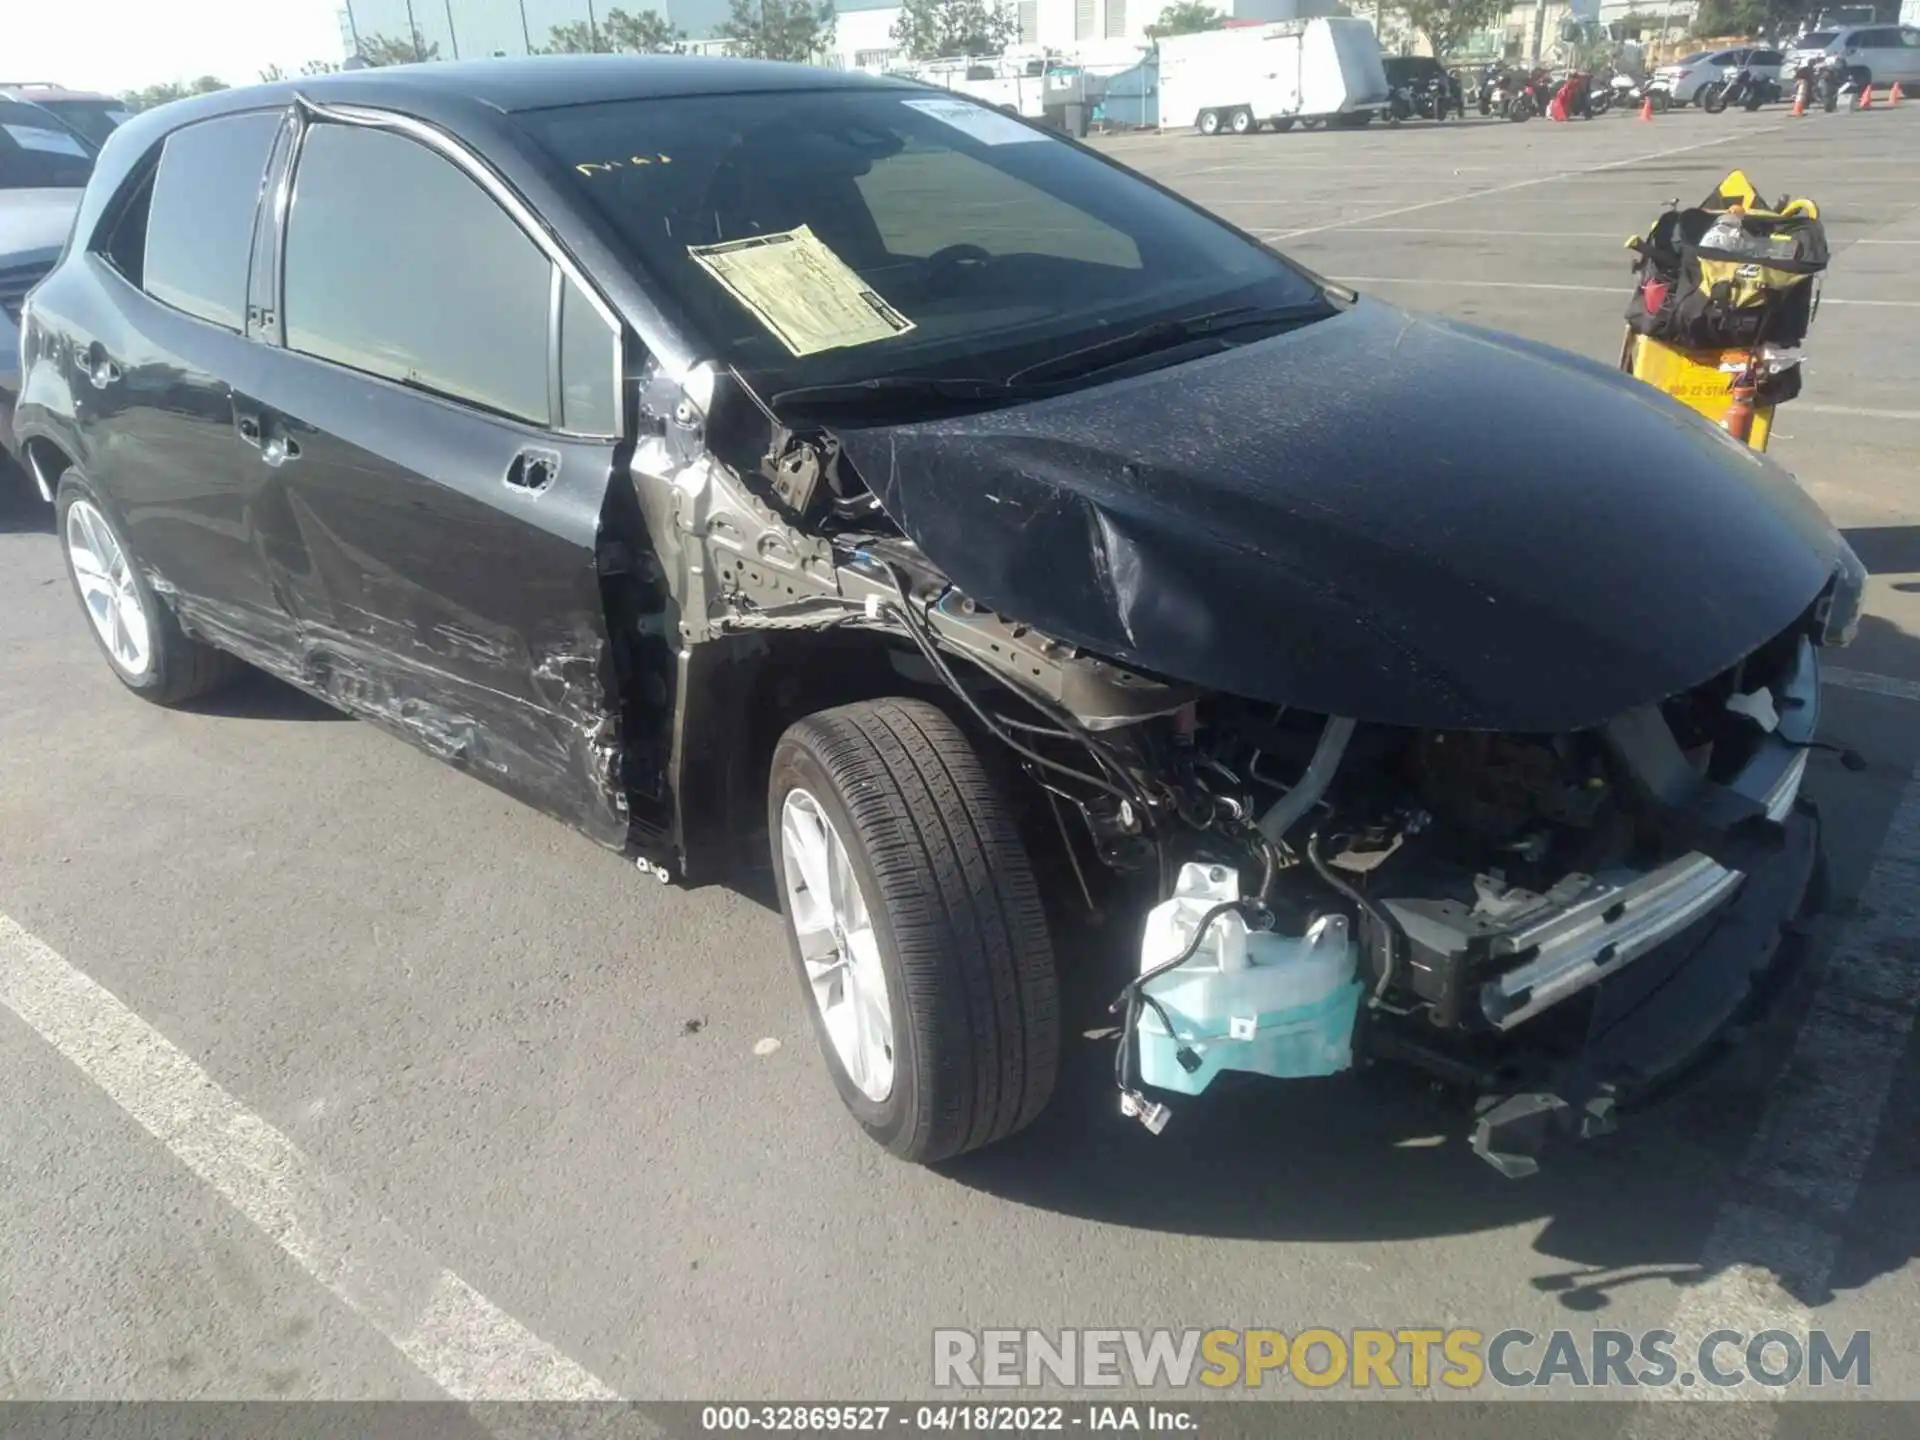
1382 515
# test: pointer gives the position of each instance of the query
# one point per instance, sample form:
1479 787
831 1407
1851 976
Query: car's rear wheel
916 926
138 634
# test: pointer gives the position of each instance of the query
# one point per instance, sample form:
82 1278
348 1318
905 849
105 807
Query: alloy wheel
838 944
107 588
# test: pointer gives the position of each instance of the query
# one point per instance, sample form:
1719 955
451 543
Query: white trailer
1233 81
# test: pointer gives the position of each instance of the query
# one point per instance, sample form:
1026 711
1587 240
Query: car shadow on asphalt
22 511
256 695
1382 1155
1887 549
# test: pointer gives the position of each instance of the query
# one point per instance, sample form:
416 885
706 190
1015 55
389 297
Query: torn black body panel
1382 515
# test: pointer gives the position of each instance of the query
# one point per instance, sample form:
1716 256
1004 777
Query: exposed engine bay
1327 889
1332 890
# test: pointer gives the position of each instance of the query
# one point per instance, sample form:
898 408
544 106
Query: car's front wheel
137 633
916 926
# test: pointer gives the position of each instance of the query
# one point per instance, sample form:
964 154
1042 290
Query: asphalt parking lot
393 1073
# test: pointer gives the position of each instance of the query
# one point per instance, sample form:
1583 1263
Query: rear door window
37 152
199 231
399 264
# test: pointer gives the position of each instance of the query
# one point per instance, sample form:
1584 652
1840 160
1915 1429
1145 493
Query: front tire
1713 98
144 645
1209 122
1241 122
916 926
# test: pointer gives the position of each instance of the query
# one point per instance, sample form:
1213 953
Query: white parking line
1771 1251
462 1341
1869 682
1740 137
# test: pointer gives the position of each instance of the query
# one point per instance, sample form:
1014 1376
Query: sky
118 45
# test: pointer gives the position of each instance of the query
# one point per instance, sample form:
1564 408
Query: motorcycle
1495 89
1744 86
1820 82
1659 95
1529 96
1617 91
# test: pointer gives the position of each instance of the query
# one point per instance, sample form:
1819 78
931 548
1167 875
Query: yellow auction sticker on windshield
801 291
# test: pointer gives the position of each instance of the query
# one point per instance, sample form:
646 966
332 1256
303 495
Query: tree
397 49
622 31
1448 24
1751 17
172 90
1185 17
795 30
931 29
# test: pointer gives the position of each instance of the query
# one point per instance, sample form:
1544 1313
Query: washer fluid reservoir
1279 1005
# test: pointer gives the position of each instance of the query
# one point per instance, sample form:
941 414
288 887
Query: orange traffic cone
1866 96
1646 108
1894 96
1799 101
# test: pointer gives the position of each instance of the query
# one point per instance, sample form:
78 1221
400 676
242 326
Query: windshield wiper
883 389
1164 335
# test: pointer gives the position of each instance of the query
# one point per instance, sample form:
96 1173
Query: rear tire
949 900
1208 122
1281 126
1241 122
1660 100
136 631
1712 98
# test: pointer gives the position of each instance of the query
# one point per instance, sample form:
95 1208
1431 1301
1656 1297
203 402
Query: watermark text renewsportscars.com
1411 1358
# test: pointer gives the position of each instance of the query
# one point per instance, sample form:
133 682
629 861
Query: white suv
1876 54
1686 77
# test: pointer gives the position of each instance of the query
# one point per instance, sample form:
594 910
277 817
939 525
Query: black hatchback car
722 455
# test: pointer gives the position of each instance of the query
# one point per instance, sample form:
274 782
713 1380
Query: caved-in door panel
440 564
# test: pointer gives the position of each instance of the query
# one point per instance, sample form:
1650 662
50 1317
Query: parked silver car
1875 54
1685 79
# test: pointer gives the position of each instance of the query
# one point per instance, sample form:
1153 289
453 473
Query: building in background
1097 33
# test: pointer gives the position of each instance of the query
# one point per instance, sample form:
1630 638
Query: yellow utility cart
1723 296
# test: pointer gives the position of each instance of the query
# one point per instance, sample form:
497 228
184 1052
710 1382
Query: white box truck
1233 81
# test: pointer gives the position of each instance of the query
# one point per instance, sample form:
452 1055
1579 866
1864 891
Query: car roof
544 81
32 90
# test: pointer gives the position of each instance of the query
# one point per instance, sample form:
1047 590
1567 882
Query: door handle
269 437
102 370
532 471
279 448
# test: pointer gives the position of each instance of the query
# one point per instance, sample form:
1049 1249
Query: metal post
593 29
452 35
353 27
413 33
526 35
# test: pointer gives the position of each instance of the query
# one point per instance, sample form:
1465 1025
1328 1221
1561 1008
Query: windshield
1693 59
37 152
93 120
836 235
1818 39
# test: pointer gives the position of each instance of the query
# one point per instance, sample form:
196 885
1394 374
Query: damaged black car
742 460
